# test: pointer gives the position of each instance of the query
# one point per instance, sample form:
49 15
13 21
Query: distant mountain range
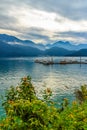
57 51
10 46
67 45
82 52
17 50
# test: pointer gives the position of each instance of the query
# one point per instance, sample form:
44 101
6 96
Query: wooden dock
45 62
62 62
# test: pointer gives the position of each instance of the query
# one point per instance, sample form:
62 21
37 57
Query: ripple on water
62 79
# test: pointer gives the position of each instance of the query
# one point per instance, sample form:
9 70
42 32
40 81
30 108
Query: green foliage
26 112
75 117
32 115
81 95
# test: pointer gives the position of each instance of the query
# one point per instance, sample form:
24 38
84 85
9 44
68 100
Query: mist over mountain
13 40
62 44
10 46
14 49
67 45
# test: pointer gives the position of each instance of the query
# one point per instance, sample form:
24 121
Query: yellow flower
74 102
71 116
10 102
85 120
1 125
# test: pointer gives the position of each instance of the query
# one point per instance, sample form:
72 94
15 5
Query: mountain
82 52
8 50
56 51
82 46
61 44
13 40
10 46
8 38
67 45
41 46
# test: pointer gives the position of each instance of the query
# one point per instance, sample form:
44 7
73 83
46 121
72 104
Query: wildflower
65 99
85 120
1 125
7 120
26 83
24 79
48 91
71 116
18 89
74 102
10 102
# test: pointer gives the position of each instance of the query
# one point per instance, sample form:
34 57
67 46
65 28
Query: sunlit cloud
44 21
48 21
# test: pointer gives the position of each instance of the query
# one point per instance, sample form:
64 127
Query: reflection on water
62 79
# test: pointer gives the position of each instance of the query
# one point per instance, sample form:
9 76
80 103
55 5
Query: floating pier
72 62
62 62
45 62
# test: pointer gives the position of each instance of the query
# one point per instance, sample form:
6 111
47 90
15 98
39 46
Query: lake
62 79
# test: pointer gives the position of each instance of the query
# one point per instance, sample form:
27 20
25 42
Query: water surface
62 79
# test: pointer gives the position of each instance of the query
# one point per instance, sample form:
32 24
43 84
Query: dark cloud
7 22
38 36
36 30
35 34
73 35
75 9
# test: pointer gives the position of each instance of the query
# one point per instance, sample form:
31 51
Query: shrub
81 94
24 111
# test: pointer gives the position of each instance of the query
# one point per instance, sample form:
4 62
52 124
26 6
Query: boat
63 62
44 61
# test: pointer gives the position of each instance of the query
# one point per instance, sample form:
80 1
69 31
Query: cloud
44 21
78 37
75 10
37 35
8 21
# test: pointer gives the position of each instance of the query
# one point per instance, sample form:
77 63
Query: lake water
62 79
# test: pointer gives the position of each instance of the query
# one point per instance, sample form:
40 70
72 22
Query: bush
24 111
81 94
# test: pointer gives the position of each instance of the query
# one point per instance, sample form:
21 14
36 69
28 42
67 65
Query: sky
45 21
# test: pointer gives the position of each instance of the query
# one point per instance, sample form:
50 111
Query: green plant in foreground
81 94
24 111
